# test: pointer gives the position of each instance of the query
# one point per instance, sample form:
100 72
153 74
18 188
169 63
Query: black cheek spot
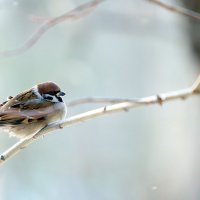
59 99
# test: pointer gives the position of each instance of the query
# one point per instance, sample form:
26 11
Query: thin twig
76 13
177 9
98 100
117 107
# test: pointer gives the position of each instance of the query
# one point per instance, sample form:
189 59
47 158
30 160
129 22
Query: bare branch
74 14
116 107
99 100
183 11
196 85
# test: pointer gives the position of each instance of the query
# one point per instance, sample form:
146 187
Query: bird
33 109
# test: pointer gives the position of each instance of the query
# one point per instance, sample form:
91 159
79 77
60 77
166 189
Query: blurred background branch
191 10
74 14
194 26
177 9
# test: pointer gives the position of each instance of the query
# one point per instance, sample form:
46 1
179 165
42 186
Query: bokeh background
125 48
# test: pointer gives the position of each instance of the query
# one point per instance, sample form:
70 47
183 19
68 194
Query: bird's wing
24 108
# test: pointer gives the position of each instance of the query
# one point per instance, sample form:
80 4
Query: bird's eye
49 98
52 98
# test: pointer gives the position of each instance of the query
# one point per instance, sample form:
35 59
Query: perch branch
76 13
177 9
116 107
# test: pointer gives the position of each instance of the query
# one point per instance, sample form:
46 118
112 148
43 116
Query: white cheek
62 110
55 100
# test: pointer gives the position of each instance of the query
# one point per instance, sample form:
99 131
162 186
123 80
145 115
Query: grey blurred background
126 49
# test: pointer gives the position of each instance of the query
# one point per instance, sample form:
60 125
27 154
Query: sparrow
30 111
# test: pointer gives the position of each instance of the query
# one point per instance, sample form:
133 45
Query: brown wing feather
20 99
18 110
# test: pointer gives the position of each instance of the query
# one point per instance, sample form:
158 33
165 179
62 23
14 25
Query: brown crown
47 87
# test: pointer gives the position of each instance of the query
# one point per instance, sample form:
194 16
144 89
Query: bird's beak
60 94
